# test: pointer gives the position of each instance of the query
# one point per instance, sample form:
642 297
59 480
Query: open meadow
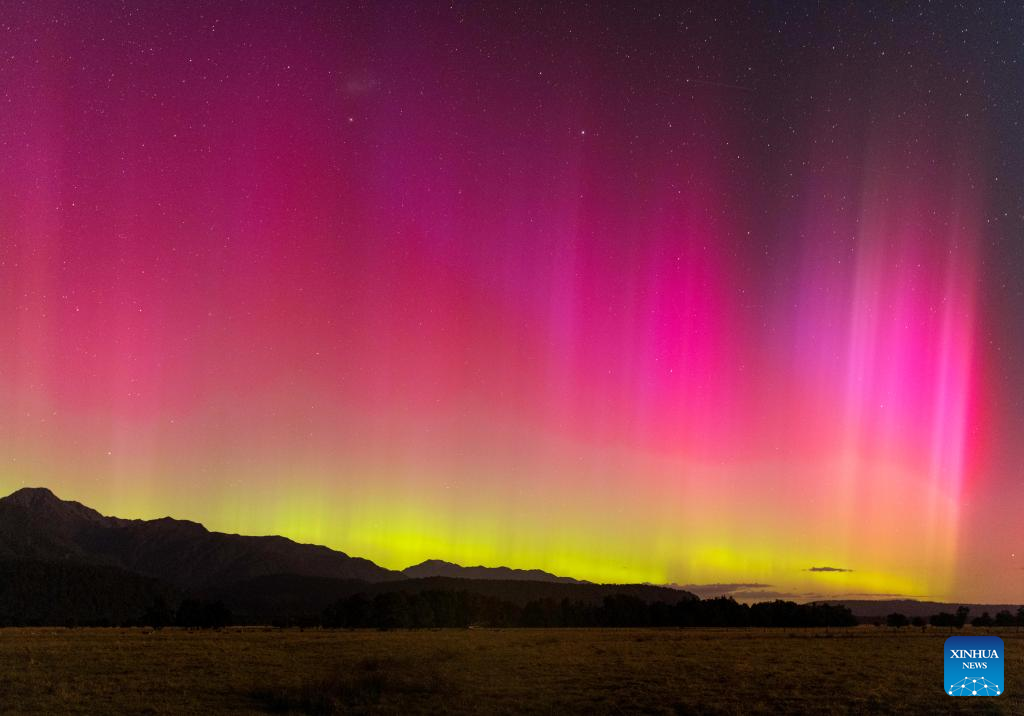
860 670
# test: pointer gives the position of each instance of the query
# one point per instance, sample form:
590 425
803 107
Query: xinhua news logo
974 666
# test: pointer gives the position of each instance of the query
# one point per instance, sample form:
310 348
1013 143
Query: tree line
462 609
1004 619
431 609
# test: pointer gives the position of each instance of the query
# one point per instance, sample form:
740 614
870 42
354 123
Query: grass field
862 670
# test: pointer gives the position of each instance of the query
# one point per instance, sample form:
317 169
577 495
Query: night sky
730 295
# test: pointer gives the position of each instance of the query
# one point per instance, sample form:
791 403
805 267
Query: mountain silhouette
37 525
440 568
62 562
868 610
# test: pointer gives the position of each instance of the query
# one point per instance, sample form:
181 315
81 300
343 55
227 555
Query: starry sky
722 294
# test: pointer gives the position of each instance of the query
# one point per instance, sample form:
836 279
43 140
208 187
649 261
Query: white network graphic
974 686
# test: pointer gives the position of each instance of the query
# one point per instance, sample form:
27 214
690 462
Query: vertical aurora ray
908 378
883 337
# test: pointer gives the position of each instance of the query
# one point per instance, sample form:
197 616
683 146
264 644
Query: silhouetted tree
943 619
961 616
159 614
391 611
541 613
352 612
897 620
421 612
983 621
779 613
919 622
829 615
623 610
1005 618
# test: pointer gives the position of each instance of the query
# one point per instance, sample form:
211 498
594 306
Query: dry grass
864 670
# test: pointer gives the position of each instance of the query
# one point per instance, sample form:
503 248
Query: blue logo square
974 666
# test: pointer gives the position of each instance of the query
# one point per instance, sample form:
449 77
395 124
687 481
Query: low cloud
708 591
883 595
827 569
747 592
768 595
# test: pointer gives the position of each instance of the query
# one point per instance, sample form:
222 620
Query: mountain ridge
878 609
443 568
36 524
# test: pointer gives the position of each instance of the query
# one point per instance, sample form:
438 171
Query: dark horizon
41 527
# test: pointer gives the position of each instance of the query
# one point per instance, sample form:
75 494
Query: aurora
499 286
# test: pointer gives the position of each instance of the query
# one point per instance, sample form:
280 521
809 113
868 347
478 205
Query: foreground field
862 670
